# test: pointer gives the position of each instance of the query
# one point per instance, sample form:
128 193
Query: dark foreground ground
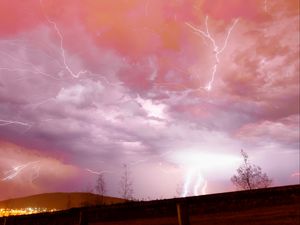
279 205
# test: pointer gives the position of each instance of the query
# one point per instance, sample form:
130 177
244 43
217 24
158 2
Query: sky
173 89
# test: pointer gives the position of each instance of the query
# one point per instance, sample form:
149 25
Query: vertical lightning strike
31 68
217 50
62 50
187 182
63 54
198 183
195 182
203 189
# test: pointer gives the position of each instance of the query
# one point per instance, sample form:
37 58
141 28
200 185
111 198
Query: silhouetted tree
250 176
126 189
100 187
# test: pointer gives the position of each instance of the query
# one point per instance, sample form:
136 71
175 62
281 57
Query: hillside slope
59 201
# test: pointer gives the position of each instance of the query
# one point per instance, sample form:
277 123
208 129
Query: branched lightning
63 54
15 171
27 67
62 50
217 50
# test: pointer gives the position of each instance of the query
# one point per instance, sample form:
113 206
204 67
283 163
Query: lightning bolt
187 182
15 122
10 122
27 67
97 172
62 49
194 180
203 189
217 50
63 54
15 171
34 70
199 181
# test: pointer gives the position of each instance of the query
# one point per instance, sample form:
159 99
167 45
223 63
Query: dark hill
59 201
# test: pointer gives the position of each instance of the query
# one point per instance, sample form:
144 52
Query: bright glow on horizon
204 160
196 163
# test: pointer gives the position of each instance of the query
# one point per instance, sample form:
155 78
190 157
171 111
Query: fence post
83 219
183 214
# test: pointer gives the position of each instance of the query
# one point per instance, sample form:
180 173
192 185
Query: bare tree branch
100 187
126 190
250 176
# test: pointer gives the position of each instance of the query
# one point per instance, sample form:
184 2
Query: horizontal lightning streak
97 172
10 122
11 174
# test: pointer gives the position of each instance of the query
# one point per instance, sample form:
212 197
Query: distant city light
23 211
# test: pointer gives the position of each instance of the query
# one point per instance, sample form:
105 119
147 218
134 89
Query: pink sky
174 89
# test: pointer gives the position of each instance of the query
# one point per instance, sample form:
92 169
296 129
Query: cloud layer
90 85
